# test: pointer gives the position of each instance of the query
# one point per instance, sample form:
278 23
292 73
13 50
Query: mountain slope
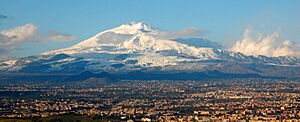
138 47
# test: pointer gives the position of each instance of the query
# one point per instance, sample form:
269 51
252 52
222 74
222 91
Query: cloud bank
268 45
10 39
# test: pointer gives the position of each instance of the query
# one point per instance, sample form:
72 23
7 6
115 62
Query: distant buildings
234 99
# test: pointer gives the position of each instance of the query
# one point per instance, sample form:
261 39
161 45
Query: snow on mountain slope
117 35
150 44
139 38
135 46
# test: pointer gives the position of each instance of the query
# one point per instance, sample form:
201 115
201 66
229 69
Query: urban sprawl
155 100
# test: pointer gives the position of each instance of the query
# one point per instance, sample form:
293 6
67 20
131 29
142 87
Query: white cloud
268 45
10 39
58 37
18 34
179 34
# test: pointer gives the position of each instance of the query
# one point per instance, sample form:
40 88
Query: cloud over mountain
10 39
178 34
269 45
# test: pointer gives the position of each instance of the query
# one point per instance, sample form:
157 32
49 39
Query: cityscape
213 100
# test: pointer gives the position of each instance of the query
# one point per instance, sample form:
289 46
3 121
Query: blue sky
223 20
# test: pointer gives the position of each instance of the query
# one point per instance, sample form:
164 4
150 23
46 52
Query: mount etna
136 51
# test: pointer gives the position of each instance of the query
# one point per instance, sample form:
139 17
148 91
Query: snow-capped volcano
138 47
117 35
140 42
139 38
